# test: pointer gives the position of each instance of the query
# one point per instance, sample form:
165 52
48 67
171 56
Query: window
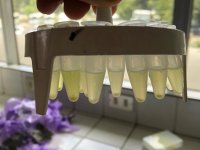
28 18
2 46
194 49
146 10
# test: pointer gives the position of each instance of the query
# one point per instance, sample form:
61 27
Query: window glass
145 9
2 46
28 18
194 49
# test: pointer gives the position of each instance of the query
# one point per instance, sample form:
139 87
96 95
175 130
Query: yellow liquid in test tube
158 81
60 84
54 84
72 84
83 83
138 81
116 79
94 86
175 77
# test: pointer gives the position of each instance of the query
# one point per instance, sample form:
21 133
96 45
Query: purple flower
35 147
9 127
20 120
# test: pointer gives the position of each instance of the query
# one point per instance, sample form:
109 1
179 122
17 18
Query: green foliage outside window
163 8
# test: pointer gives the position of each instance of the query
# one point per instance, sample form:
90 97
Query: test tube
116 67
137 69
175 73
95 69
175 70
83 82
138 74
70 68
158 74
60 84
55 78
158 65
71 76
56 69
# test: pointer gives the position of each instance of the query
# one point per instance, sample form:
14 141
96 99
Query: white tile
135 140
12 82
188 119
190 143
1 82
87 144
157 113
84 105
64 141
111 132
84 122
28 84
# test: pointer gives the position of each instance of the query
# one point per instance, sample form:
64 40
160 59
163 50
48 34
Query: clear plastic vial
158 65
83 80
54 86
95 72
175 70
55 78
137 69
175 73
70 68
71 76
116 68
138 74
95 69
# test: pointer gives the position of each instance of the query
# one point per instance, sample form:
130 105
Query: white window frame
9 31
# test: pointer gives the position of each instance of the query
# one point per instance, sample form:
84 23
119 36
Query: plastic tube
158 65
175 70
70 68
136 68
95 69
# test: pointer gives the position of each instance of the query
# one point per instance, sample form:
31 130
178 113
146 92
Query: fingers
102 3
114 8
75 9
48 6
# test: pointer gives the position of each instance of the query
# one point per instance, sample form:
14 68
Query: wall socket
123 102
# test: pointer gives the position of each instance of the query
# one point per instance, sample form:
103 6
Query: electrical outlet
123 102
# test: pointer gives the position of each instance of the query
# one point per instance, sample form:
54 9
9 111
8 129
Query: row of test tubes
85 74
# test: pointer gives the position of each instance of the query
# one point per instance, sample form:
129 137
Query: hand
75 9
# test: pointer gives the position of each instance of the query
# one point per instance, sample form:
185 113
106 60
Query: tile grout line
83 137
129 135
175 116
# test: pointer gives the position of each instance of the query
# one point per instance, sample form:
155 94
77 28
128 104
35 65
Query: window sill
192 94
22 68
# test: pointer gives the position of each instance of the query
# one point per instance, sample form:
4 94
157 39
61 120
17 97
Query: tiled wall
118 113
157 113
188 118
1 83
171 113
12 82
